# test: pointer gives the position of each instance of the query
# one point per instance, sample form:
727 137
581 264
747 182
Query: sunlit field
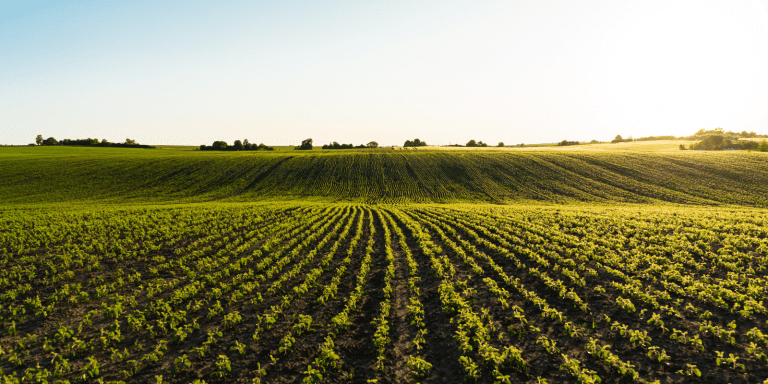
604 263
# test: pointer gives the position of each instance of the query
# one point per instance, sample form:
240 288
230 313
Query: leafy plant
418 366
223 367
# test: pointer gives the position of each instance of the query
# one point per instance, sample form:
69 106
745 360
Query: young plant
223 367
732 360
690 370
419 339
180 363
471 371
548 344
239 347
90 370
313 375
418 367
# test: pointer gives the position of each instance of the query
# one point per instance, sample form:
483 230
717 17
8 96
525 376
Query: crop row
315 293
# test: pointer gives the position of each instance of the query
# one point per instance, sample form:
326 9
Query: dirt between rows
355 347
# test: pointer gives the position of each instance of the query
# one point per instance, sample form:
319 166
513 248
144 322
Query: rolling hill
624 175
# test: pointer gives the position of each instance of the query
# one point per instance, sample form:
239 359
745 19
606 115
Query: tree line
307 145
237 146
51 141
414 143
699 135
722 142
336 145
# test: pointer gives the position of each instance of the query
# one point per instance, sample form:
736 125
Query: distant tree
471 143
594 142
336 145
619 139
713 142
238 146
719 142
39 140
372 144
682 147
129 141
764 146
500 144
306 145
219 145
415 143
50 141
481 144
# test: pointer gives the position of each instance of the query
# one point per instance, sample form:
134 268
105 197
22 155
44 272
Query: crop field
305 293
600 173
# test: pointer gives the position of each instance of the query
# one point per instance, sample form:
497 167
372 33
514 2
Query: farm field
289 292
648 173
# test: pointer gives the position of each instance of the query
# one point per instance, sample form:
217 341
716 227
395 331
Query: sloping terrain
45 175
283 293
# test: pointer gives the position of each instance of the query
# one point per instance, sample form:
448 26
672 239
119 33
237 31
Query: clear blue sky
190 72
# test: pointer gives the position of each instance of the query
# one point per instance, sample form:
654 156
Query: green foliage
171 289
82 175
719 142
305 145
414 143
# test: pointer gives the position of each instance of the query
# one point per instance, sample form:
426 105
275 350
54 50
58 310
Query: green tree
471 143
50 141
39 140
372 144
764 146
306 145
500 144
415 143
238 145
219 145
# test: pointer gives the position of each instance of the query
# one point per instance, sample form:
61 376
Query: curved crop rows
287 293
110 175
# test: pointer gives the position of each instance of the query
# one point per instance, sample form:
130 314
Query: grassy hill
597 173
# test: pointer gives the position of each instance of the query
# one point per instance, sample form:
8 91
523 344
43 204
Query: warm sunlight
189 73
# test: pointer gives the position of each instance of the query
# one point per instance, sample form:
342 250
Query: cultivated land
630 262
606 173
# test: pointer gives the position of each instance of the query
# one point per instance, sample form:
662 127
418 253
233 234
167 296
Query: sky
191 72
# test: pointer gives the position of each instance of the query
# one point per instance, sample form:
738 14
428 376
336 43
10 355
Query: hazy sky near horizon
190 72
